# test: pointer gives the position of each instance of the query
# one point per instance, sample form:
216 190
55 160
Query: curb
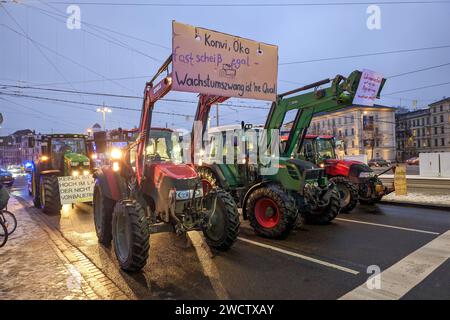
417 205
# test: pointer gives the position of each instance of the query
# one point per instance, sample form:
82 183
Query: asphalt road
315 262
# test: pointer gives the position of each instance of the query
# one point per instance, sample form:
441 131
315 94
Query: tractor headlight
75 173
74 163
86 163
86 172
115 166
116 154
366 174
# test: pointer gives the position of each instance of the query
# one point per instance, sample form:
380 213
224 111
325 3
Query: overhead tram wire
65 57
196 4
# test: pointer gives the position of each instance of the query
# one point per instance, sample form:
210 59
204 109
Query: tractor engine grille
314 174
292 171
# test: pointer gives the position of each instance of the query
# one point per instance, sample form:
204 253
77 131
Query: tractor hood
173 171
346 163
76 157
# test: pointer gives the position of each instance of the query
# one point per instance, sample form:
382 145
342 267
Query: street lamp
104 110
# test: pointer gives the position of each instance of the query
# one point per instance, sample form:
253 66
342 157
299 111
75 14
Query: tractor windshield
325 148
66 145
163 145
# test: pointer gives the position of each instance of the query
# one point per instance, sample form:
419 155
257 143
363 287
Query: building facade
422 131
364 130
15 148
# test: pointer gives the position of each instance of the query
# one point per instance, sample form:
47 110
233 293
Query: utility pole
104 110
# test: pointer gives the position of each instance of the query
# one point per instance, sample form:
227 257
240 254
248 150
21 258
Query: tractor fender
248 193
113 186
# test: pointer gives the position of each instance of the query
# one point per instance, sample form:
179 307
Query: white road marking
209 267
300 256
400 278
387 226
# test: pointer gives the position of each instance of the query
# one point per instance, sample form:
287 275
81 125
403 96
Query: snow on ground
420 198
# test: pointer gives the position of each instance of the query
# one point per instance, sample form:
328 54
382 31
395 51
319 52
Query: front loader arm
338 95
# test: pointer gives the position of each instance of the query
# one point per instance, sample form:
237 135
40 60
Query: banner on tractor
76 189
368 88
211 62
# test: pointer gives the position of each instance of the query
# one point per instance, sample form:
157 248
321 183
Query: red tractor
147 185
354 179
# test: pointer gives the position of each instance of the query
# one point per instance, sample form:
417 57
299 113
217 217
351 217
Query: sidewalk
436 198
34 265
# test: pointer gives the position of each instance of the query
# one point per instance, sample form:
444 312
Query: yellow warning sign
400 180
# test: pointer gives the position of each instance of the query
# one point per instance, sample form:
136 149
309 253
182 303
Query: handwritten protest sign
76 189
215 63
368 88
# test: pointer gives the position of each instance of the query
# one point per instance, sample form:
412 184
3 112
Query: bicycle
8 219
3 234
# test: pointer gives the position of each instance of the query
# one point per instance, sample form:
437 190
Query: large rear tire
209 181
103 212
348 193
271 211
327 214
49 194
131 235
224 222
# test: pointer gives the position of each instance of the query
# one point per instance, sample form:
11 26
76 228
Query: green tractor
60 155
299 190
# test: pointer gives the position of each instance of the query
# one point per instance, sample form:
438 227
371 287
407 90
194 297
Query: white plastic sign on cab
210 62
76 189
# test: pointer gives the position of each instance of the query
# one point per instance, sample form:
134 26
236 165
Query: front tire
348 193
271 211
224 222
131 235
49 194
327 214
209 181
103 208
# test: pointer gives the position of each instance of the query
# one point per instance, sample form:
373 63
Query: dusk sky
83 60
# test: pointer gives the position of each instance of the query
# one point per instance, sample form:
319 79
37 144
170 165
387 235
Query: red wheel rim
206 186
267 213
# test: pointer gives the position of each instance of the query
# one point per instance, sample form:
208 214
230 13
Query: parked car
413 161
378 163
6 177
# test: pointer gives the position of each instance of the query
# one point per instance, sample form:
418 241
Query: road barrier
418 182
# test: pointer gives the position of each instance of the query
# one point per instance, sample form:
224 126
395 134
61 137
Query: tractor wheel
208 179
49 194
131 235
103 212
327 214
224 223
35 191
271 211
348 193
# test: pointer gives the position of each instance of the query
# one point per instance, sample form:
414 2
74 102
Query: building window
429 142
339 121
414 123
423 121
442 142
435 130
353 143
434 109
428 120
442 118
346 132
423 131
442 130
353 131
340 133
434 119
441 108
435 142
418 143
